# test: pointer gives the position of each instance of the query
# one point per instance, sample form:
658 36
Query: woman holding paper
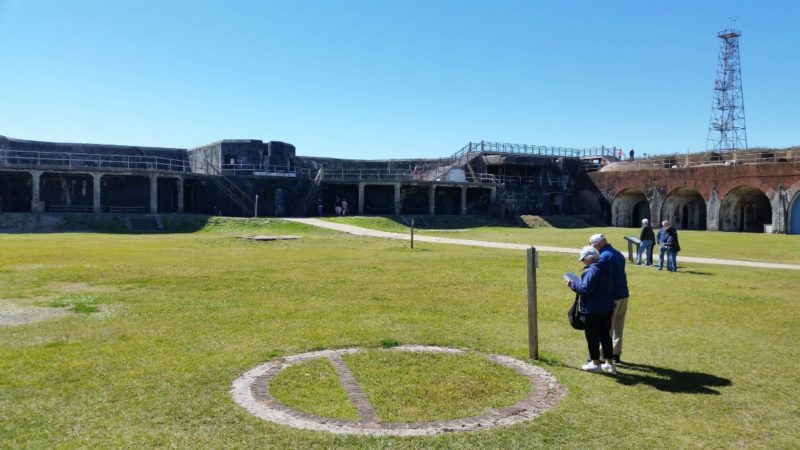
597 303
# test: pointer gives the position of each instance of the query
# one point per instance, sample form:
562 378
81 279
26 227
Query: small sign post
412 233
533 326
255 207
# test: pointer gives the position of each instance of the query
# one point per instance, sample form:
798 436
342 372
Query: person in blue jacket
597 303
615 262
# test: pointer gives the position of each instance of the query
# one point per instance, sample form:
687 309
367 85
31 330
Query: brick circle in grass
251 390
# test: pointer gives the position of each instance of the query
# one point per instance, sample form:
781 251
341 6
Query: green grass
77 303
714 347
410 387
313 387
744 246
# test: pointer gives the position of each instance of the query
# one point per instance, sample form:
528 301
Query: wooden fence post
533 326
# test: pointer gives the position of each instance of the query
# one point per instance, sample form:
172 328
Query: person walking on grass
615 265
647 238
597 304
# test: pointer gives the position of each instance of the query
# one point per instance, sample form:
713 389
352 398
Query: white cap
645 222
595 238
588 251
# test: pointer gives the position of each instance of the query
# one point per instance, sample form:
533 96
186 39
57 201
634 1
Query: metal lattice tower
726 130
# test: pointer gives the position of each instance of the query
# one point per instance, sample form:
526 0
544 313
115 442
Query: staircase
230 189
460 159
501 203
144 224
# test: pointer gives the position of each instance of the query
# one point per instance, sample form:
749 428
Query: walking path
359 231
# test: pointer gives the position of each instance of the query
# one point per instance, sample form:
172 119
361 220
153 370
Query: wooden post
533 326
255 207
412 233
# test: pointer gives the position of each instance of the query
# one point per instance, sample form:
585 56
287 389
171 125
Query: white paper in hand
570 276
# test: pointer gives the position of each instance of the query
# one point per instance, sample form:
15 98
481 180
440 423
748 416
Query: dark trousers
598 331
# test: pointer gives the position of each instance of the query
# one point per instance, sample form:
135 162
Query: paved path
359 231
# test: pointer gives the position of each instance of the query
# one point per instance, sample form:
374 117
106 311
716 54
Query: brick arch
685 208
629 207
794 214
745 208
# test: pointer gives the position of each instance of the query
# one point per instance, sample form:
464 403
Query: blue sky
391 79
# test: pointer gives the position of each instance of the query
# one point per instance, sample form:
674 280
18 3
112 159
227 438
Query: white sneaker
609 368
591 367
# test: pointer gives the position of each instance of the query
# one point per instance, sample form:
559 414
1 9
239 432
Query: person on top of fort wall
647 238
614 262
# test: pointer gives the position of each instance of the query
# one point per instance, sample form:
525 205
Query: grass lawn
778 248
180 316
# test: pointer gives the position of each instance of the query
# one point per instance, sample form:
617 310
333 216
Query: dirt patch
79 288
20 315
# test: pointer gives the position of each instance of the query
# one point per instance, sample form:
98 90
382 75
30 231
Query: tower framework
726 130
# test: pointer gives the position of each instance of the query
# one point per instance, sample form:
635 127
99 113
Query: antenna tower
726 130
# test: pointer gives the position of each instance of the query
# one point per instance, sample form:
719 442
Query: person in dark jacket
668 246
673 247
614 262
647 238
597 303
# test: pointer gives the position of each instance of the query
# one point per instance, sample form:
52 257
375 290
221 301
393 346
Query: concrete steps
144 224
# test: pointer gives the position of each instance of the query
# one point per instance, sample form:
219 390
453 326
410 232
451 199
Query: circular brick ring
251 390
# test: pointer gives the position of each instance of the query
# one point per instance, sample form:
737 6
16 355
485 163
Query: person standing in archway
647 238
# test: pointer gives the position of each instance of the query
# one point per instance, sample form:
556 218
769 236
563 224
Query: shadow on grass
43 223
666 380
669 380
696 272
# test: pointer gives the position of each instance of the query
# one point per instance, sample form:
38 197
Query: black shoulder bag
576 318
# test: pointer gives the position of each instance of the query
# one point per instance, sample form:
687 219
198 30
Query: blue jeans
645 247
662 256
672 260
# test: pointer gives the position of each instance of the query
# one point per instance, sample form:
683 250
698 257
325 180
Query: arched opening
447 200
685 208
745 209
794 215
16 191
629 208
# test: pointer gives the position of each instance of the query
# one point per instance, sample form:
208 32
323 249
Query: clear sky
391 78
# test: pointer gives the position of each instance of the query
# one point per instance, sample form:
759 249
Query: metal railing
370 175
90 161
85 208
610 153
258 170
530 181
711 159
409 175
